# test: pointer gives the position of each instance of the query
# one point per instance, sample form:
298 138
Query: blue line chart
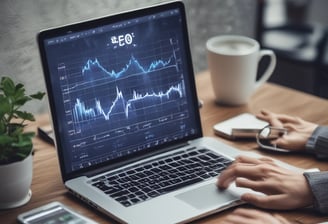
95 69
95 64
82 113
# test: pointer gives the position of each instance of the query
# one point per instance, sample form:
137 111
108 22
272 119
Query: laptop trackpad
206 196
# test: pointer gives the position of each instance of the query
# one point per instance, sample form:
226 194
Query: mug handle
268 72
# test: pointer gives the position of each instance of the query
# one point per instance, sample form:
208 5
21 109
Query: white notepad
244 125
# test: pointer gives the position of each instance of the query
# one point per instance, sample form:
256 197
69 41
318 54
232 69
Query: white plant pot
15 183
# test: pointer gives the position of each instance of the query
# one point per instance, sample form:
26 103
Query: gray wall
20 21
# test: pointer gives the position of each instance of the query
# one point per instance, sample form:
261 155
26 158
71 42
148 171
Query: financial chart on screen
122 88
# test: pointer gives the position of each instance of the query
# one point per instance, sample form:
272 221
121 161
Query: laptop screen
120 86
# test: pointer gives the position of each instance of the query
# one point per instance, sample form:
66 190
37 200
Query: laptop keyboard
164 175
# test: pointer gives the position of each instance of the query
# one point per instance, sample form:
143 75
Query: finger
286 142
252 160
282 143
243 166
270 118
287 118
250 184
278 120
230 173
266 112
266 201
289 127
263 115
238 170
257 185
267 160
224 180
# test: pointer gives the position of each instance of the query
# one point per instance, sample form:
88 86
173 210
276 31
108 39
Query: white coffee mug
233 63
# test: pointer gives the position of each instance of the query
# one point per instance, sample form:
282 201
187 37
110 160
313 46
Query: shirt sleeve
318 182
318 142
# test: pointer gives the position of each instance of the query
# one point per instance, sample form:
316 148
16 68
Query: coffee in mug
233 63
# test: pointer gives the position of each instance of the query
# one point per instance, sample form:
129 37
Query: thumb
287 142
281 142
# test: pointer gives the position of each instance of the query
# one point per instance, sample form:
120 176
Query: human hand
298 130
246 216
283 188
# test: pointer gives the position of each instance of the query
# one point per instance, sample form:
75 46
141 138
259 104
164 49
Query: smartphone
53 213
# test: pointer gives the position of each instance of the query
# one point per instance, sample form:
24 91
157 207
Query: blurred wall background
20 21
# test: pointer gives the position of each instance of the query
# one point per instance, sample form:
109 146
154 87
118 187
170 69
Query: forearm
318 142
318 182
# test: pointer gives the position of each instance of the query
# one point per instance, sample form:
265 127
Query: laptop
126 120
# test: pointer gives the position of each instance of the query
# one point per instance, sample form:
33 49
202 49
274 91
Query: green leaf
24 154
19 86
24 140
2 127
15 129
5 106
25 115
28 135
7 85
38 95
19 101
19 89
19 93
21 144
5 140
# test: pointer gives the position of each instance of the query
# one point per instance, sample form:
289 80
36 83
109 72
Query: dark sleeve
318 142
318 182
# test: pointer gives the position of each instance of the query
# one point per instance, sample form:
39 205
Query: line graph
133 62
93 70
154 65
116 91
82 113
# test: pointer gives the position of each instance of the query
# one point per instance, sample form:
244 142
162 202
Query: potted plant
15 144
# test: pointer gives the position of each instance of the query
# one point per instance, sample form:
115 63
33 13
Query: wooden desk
47 185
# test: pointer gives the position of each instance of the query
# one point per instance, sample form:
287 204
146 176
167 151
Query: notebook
126 120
